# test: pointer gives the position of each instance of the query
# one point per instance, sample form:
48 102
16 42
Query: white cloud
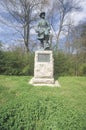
32 31
1 30
79 16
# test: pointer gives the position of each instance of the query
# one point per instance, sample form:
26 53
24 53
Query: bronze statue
43 30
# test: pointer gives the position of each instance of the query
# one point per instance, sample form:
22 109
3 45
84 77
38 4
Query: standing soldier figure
43 30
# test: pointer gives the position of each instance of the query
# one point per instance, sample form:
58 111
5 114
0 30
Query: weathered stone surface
56 84
43 68
43 80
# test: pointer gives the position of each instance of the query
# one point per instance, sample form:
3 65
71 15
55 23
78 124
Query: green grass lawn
26 107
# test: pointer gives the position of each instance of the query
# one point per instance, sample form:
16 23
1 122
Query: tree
82 41
78 45
83 35
62 10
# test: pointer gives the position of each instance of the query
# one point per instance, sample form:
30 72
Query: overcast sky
7 37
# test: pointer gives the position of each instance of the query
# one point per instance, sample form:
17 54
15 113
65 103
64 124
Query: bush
15 63
83 70
2 62
61 65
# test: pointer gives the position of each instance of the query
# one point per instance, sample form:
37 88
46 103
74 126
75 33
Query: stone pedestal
43 68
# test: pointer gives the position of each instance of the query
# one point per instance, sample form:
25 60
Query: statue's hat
42 13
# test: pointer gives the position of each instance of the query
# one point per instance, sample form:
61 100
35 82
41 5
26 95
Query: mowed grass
27 107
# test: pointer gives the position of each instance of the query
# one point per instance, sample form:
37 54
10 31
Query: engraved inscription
43 57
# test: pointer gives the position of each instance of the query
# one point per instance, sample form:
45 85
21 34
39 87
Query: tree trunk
26 37
60 29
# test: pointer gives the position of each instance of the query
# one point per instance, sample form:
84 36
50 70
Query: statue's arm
48 25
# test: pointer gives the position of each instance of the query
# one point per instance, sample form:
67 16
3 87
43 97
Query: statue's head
42 15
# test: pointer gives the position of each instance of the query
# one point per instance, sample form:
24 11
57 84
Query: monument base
43 69
42 82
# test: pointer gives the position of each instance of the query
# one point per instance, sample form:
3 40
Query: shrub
15 63
83 70
61 65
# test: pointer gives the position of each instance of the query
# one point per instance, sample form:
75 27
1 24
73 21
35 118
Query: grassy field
25 107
